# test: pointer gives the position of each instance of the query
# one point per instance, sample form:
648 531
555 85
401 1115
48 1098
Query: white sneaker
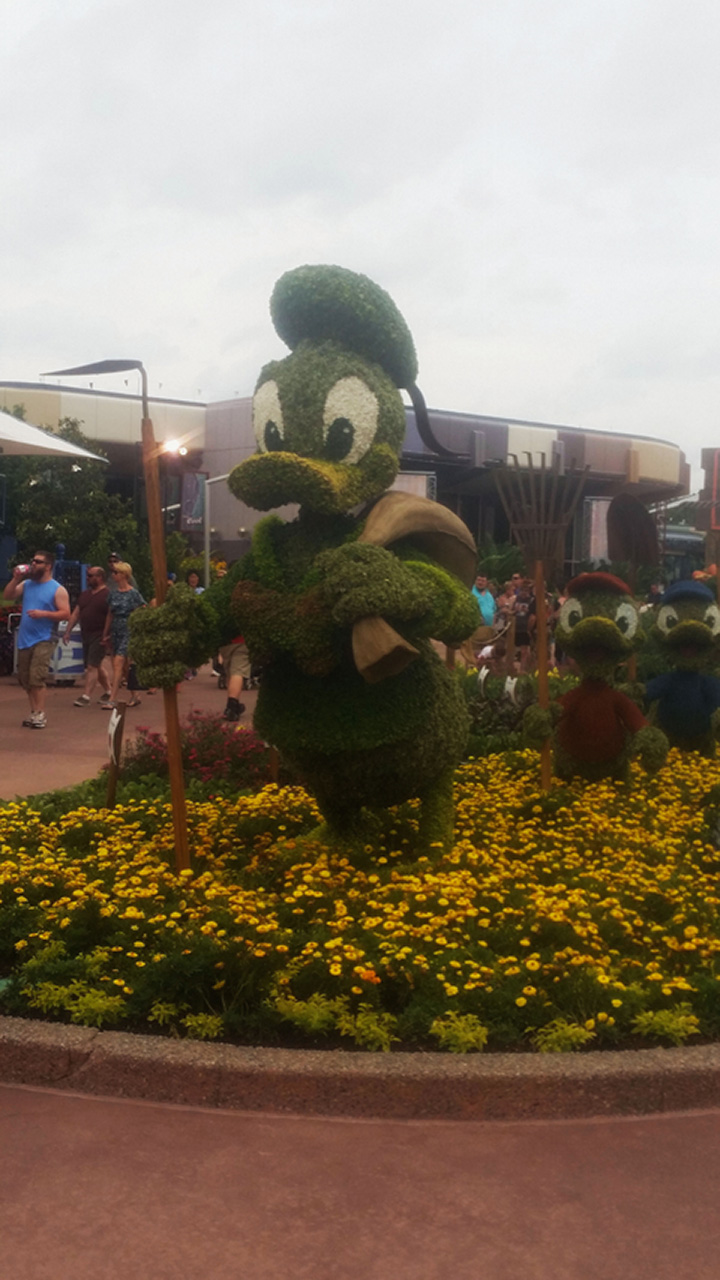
38 720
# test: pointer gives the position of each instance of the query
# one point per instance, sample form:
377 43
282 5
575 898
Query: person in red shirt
91 612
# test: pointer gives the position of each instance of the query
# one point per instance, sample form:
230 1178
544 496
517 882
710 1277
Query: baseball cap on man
114 556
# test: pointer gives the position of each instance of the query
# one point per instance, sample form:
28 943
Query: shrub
676 1024
213 750
460 1033
561 1036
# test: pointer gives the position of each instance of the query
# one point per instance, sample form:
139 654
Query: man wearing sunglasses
45 603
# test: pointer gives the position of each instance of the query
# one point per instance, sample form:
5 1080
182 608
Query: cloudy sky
536 182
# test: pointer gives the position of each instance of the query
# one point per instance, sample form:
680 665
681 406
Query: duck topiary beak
268 480
597 636
690 635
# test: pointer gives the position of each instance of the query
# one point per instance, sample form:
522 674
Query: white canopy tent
19 438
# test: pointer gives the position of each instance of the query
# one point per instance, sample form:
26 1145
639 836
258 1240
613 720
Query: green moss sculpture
596 728
685 702
339 606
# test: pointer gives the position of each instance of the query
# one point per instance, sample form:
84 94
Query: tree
64 500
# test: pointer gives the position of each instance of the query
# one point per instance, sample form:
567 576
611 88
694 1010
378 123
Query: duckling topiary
597 727
686 701
339 606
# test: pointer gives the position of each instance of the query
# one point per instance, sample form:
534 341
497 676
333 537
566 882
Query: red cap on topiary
598 582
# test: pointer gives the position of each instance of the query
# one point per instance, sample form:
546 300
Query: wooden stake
542 657
172 720
117 729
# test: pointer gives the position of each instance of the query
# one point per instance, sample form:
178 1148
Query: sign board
192 501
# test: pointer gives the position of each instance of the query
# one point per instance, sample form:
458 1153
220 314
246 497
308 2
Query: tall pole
159 566
159 563
206 528
542 657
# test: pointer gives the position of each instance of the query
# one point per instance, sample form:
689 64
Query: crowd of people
102 613
506 642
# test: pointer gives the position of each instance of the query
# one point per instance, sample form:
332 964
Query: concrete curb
335 1083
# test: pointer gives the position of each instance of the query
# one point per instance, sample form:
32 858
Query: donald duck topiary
598 728
339 606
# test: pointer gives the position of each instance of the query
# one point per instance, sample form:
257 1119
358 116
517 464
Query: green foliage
182 633
64 500
651 747
324 302
203 1026
163 1013
498 561
561 1036
460 1033
368 1028
676 1024
177 550
87 1005
316 1016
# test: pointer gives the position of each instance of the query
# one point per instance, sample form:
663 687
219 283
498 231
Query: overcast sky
536 182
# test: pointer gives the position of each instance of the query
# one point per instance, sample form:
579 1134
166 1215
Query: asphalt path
114 1189
74 746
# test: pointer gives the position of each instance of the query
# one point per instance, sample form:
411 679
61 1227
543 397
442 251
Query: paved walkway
118 1190
136 1191
74 745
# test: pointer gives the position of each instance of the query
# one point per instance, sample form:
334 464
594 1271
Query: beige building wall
107 417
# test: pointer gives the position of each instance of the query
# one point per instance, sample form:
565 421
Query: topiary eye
339 439
626 619
272 436
667 618
712 619
268 418
350 420
570 614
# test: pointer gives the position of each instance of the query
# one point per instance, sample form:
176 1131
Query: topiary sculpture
687 700
339 606
597 727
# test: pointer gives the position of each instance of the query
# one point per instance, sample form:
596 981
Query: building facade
217 436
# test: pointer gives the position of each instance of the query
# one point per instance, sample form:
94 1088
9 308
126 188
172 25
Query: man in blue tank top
45 603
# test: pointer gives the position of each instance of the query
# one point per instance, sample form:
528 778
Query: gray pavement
113 1189
74 745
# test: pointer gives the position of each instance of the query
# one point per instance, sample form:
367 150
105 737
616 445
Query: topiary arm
651 747
360 581
165 642
538 724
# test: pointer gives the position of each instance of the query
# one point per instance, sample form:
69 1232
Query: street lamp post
206 530
150 454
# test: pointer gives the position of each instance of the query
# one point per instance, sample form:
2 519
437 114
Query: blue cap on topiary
688 590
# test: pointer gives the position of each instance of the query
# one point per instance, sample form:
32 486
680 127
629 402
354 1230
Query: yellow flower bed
581 917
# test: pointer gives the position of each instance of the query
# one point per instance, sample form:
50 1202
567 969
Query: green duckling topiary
597 727
339 606
687 699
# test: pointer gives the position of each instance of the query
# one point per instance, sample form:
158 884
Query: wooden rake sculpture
540 502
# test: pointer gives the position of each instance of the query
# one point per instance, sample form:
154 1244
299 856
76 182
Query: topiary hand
537 725
360 581
651 747
166 641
